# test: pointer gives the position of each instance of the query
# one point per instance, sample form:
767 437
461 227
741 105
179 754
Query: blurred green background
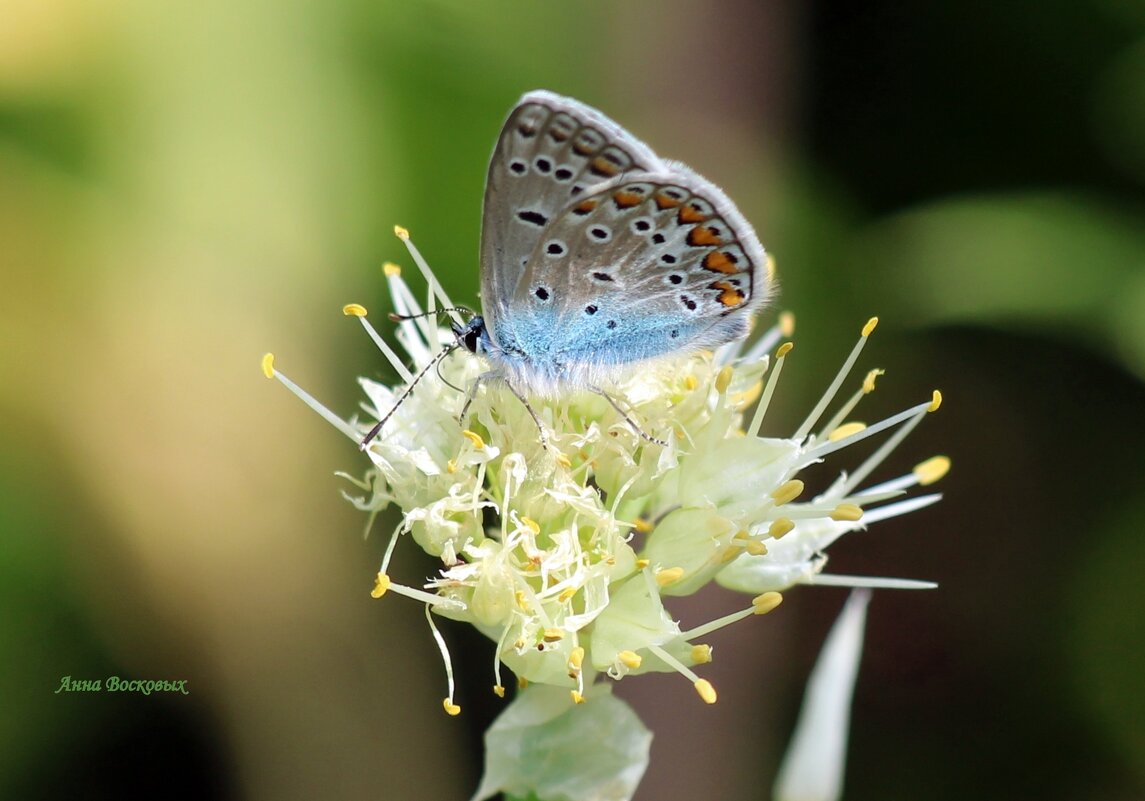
185 186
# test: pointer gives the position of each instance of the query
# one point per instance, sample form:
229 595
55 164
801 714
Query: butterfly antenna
448 349
397 318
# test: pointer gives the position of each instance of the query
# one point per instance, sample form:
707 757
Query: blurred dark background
183 187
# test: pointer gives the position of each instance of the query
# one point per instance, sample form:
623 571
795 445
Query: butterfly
598 255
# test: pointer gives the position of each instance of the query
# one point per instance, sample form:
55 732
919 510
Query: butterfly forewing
551 150
647 264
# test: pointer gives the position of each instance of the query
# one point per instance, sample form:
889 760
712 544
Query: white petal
812 770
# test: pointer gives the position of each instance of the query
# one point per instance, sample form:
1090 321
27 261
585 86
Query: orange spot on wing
583 148
584 207
719 262
602 166
689 214
626 200
702 235
665 202
729 295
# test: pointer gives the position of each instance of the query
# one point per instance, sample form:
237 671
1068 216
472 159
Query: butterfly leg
470 395
532 413
627 419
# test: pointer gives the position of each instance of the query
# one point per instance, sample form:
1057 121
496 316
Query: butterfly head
473 335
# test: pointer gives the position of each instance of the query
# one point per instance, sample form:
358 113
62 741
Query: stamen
703 687
901 508
913 417
769 390
837 580
845 430
932 470
427 273
701 654
475 438
706 691
787 492
847 512
269 371
724 378
804 429
630 659
577 696
780 527
760 605
381 584
391 546
866 389
450 707
355 310
669 575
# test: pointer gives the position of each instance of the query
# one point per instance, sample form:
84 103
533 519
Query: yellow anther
731 553
788 491
756 548
742 534
869 328
577 698
381 584
770 266
669 575
576 658
630 659
642 563
780 527
784 349
401 233
391 270
935 402
563 460
701 654
553 634
869 381
475 438
521 600
451 467
268 365
522 682
786 323
690 382
706 690
762 604
932 470
498 691
532 524
845 430
354 310
566 594
451 709
643 525
724 378
847 512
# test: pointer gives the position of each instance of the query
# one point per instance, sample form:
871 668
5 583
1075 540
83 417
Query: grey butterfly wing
550 150
647 264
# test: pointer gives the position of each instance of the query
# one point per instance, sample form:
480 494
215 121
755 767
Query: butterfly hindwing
551 150
644 265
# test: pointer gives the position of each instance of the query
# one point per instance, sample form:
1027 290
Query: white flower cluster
596 523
